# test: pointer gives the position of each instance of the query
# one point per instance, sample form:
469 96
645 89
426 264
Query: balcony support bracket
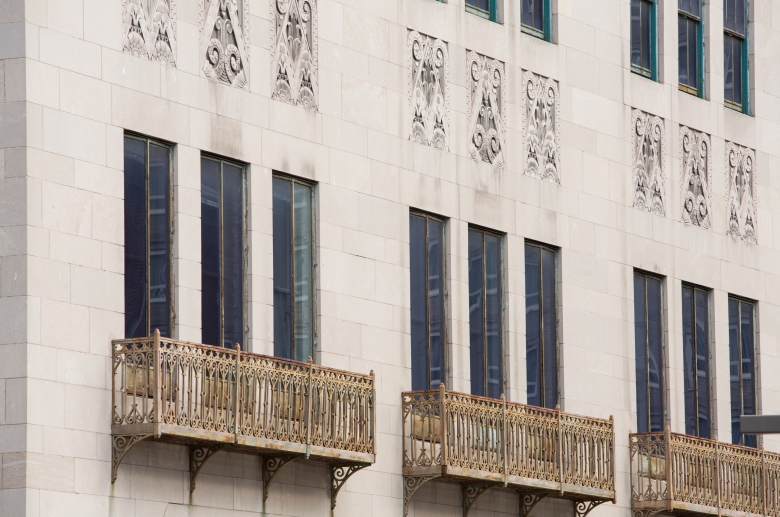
121 445
645 513
470 495
198 457
583 508
528 501
411 484
339 474
271 466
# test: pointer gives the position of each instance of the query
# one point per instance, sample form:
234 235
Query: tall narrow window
222 227
643 38
696 361
293 269
485 8
426 236
735 54
742 366
541 322
650 365
536 19
689 44
148 224
485 313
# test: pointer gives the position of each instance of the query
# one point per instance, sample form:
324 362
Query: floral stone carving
149 29
742 190
487 109
541 123
294 49
648 155
696 177
430 102
224 41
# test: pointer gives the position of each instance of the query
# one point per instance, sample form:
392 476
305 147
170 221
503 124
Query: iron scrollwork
338 476
121 445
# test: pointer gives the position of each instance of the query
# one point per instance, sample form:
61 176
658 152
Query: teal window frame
546 35
653 72
699 52
492 15
745 72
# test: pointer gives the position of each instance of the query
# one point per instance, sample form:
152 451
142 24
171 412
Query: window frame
445 294
171 225
546 32
244 244
699 91
754 315
491 15
710 364
502 294
556 294
651 74
663 376
314 259
745 71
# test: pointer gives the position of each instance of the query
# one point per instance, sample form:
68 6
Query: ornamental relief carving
487 109
648 155
696 177
149 29
294 52
541 122
430 101
224 41
742 192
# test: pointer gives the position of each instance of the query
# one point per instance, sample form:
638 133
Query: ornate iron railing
213 398
487 442
684 474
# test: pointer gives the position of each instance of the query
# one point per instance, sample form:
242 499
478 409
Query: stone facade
321 90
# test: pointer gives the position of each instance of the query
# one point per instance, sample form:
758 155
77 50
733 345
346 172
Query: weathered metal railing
675 473
490 442
213 398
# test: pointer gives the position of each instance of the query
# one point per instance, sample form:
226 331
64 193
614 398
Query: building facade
560 204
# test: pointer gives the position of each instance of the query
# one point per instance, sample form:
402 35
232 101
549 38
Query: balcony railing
485 443
211 398
675 473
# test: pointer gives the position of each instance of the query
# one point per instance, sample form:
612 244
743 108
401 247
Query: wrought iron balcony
486 443
673 473
210 399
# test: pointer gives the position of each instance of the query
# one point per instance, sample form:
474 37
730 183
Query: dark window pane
640 336
748 361
683 49
476 313
159 240
728 67
211 300
742 367
693 52
483 5
419 312
233 252
527 12
436 299
703 362
304 284
739 16
645 38
734 370
283 292
636 33
493 326
737 68
135 239
688 362
655 354
539 15
533 322
549 323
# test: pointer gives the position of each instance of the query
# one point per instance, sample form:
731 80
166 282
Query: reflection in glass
648 333
541 326
742 367
532 15
696 361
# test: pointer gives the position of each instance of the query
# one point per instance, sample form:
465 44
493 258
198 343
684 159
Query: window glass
482 5
533 16
541 326
742 359
689 45
485 313
696 361
650 365
735 59
427 301
148 300
293 269
643 37
222 252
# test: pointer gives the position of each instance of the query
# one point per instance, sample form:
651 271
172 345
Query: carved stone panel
149 29
648 162
742 192
696 166
430 101
487 109
541 122
224 41
294 52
